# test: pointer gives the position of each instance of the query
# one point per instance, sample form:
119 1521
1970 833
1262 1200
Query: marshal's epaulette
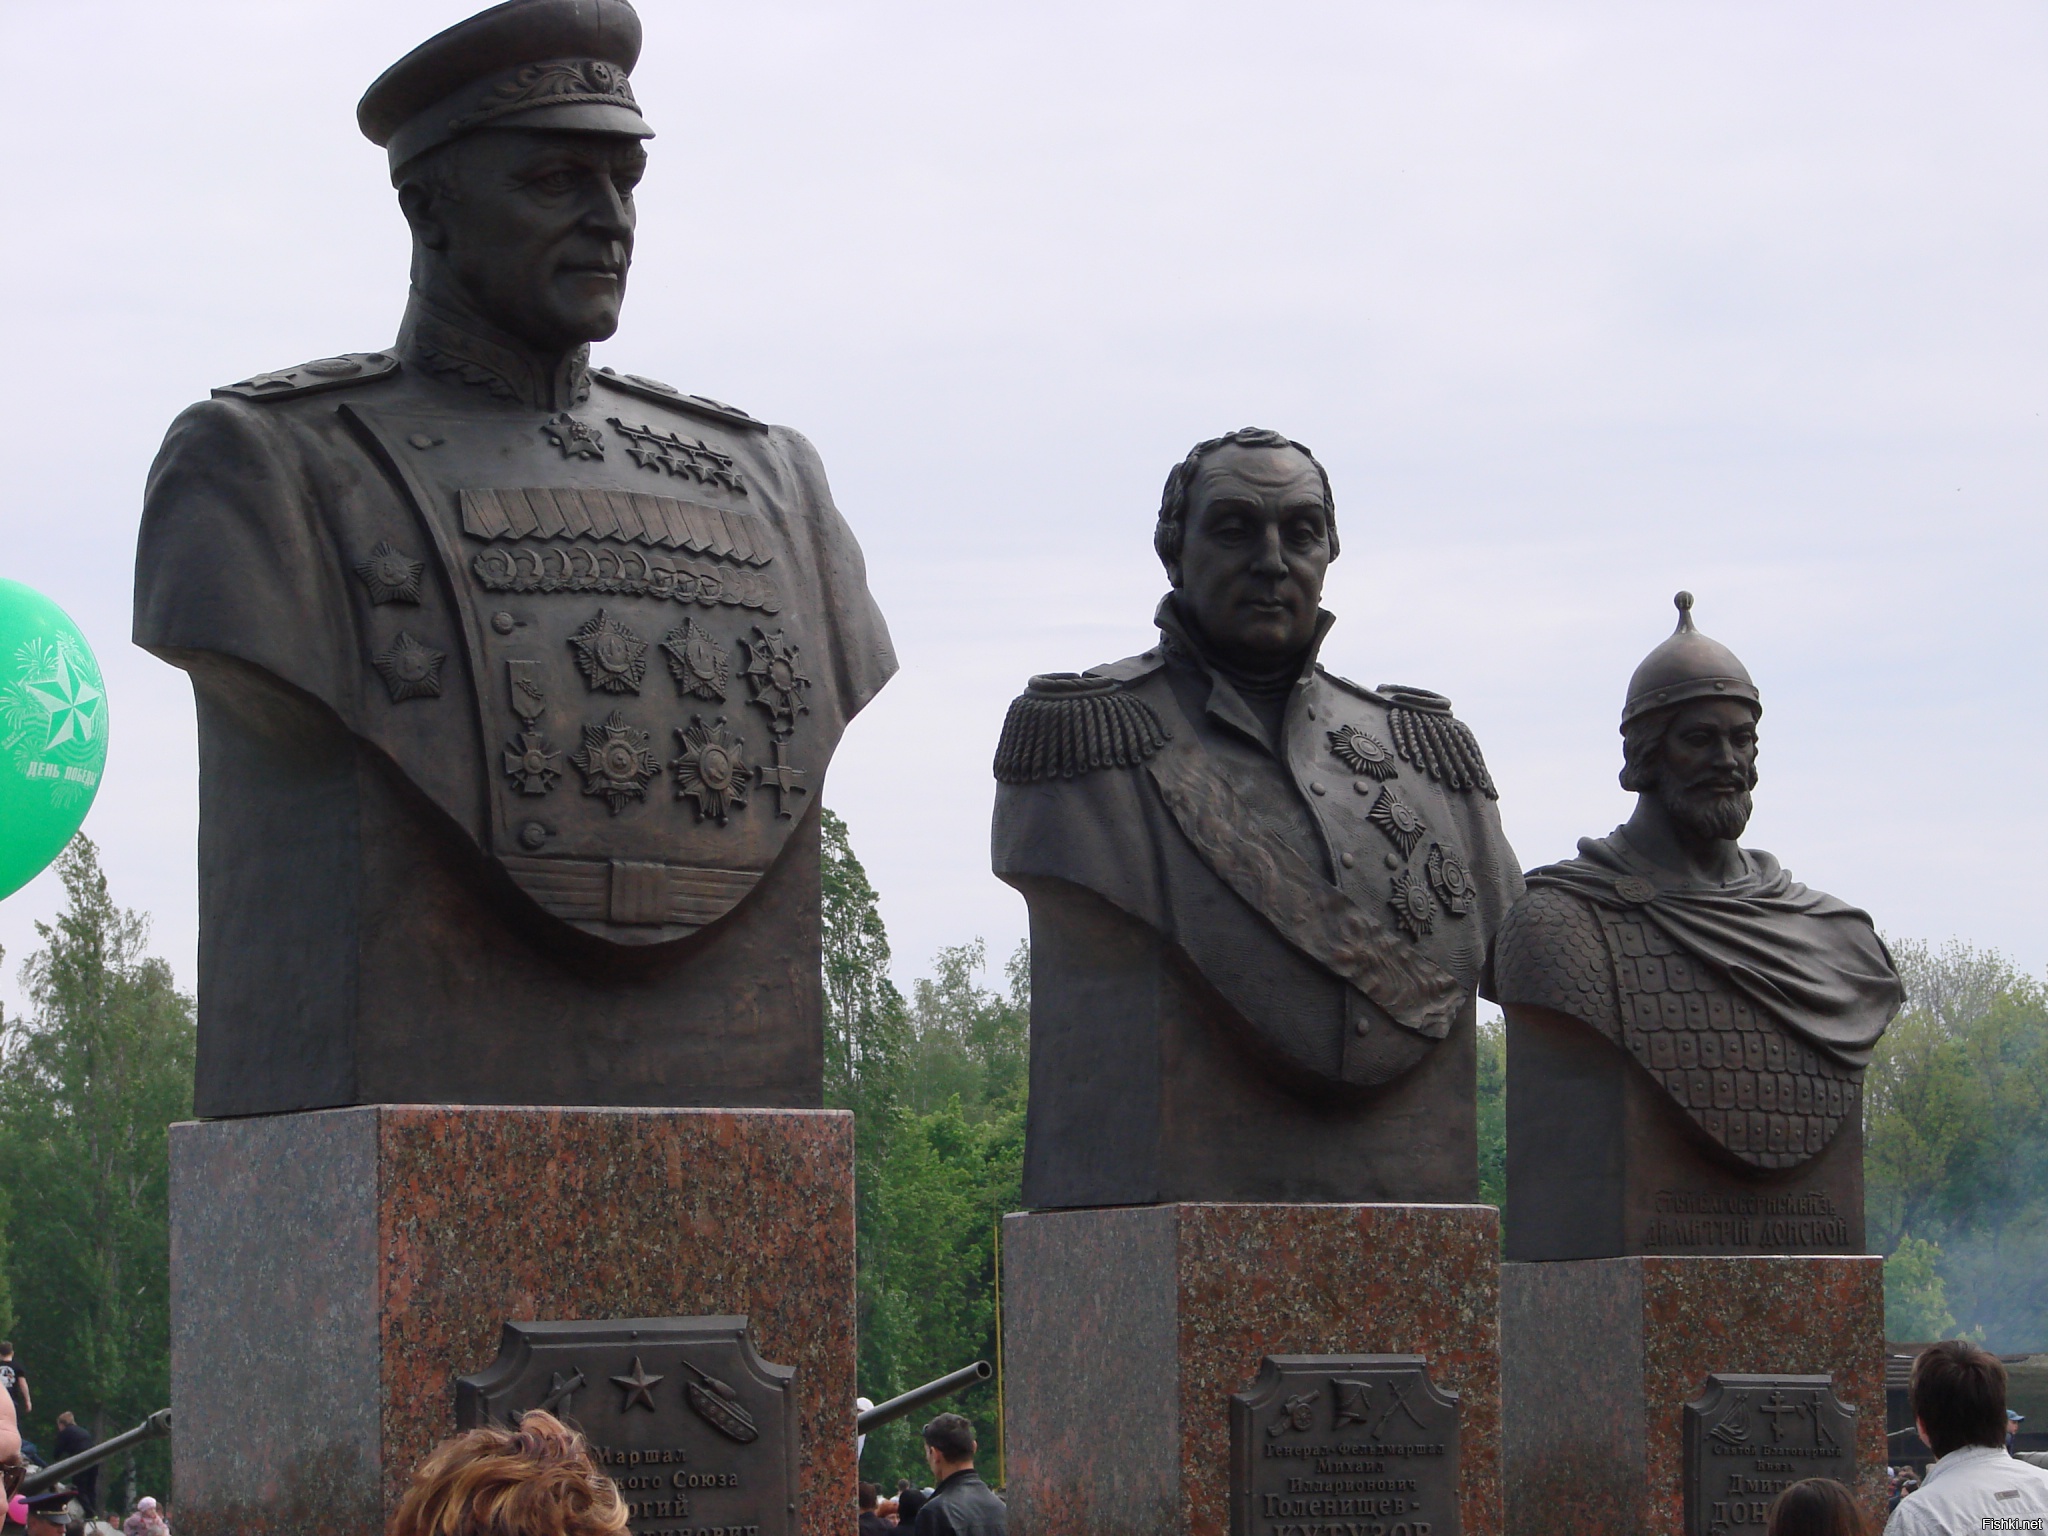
1070 723
703 405
1428 736
311 378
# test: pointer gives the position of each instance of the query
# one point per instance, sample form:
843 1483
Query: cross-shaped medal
785 781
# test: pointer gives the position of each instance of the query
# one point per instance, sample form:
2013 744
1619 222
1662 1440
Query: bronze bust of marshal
1687 1025
517 680
1262 896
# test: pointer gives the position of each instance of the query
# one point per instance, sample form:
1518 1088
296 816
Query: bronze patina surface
517 679
1262 896
1687 1025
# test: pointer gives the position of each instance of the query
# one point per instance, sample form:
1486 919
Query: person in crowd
74 1439
961 1503
2013 1421
909 1500
145 1520
1816 1506
1958 1396
15 1380
536 1480
54 1512
872 1522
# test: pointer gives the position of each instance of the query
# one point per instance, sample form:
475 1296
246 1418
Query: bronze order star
772 671
614 658
576 439
1450 880
1363 753
711 770
410 670
530 765
638 1387
1404 828
391 575
1412 906
615 762
698 661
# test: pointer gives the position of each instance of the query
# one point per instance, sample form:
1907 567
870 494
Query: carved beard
1709 813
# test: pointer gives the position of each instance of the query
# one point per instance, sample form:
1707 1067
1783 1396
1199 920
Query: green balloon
53 732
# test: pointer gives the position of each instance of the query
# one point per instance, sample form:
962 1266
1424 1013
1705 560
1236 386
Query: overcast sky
1579 304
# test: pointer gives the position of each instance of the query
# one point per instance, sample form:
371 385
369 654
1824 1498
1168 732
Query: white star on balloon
71 703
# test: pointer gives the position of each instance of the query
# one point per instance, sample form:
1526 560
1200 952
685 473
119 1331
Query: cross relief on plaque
1749 1437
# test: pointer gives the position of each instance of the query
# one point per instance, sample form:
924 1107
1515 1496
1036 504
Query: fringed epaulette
1069 723
1428 736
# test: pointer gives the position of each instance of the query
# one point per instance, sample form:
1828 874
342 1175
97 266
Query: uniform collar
1226 701
467 351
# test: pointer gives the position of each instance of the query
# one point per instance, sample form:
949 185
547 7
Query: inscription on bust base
698 1432
1749 1437
1343 1445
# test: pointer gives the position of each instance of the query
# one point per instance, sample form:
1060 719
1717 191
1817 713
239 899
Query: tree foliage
90 1081
1493 1110
1956 1149
937 1089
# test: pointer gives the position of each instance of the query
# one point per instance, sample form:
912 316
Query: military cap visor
559 64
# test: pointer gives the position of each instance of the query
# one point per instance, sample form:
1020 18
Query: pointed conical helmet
1687 666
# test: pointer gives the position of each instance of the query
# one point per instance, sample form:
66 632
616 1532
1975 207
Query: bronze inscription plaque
695 1428
1343 1445
1747 1437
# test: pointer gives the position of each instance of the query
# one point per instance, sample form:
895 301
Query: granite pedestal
1600 1356
1126 1330
333 1273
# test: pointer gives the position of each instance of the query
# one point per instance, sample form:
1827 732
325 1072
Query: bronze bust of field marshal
1262 896
1687 1025
517 680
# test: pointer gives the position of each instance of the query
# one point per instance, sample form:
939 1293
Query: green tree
937 1091
1956 1146
90 1081
1493 1111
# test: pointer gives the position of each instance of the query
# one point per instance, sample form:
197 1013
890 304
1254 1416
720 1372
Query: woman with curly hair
536 1480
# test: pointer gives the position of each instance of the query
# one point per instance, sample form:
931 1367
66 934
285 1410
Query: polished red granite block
334 1272
1126 1330
1600 1356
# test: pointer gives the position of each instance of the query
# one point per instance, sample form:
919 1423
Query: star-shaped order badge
638 1387
772 672
1412 906
530 764
391 575
697 660
614 659
711 770
1363 753
576 439
410 670
1450 880
615 762
1404 828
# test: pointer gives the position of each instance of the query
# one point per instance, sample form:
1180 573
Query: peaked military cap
525 64
1687 666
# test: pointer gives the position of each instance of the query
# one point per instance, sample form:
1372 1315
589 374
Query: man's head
66 1419
528 229
1958 1395
1247 528
1699 759
948 1444
6 1350
870 1495
515 144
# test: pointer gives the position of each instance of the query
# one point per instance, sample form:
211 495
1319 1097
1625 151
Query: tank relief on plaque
695 1428
1748 1437
1341 1443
